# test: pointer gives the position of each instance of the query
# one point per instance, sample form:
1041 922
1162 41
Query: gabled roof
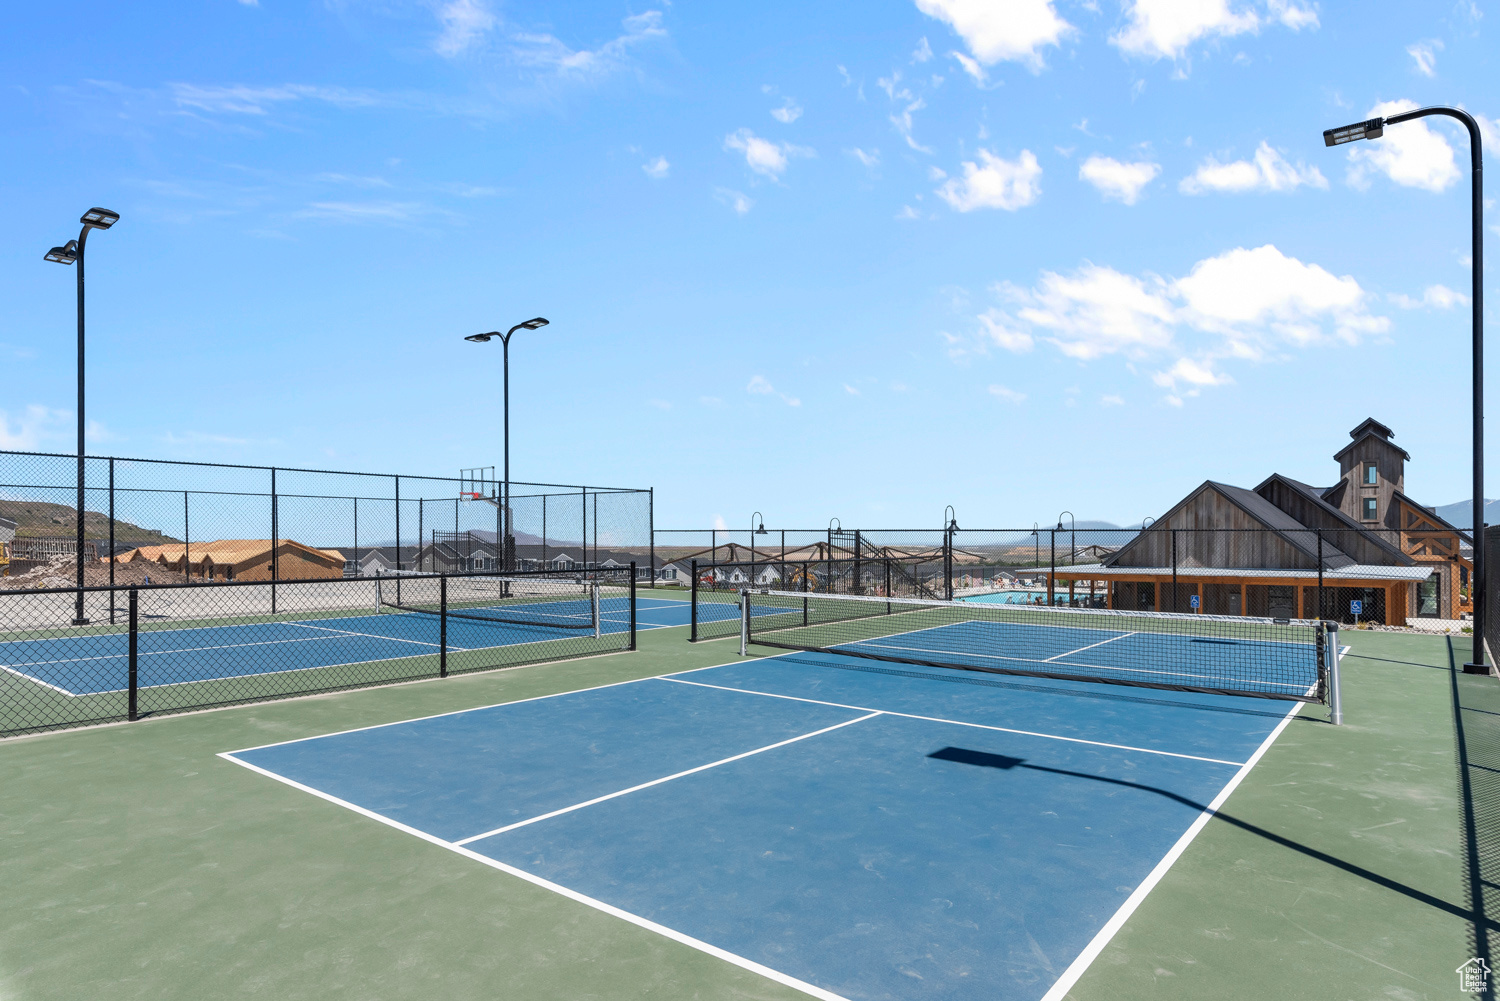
1315 496
1432 516
1371 428
1371 425
1284 526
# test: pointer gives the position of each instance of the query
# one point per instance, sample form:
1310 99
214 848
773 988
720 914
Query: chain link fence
173 514
1357 576
157 649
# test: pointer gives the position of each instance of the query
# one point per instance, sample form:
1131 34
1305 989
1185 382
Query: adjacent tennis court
856 830
89 664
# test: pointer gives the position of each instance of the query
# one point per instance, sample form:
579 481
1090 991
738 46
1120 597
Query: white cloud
923 51
788 113
909 104
762 155
998 184
1160 29
720 523
736 200
907 212
29 427
381 211
760 386
657 169
1246 293
465 23
1097 311
1424 54
1194 373
1014 31
1008 395
1001 328
870 158
1268 170
660 404
972 67
1111 401
850 390
1410 154
1120 181
1435 297
544 51
1242 305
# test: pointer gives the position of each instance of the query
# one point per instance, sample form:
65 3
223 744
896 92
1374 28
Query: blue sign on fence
1356 607
1193 602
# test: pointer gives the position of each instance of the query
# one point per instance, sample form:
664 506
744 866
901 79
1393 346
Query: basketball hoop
470 495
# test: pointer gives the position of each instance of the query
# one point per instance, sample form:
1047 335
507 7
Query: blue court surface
88 664
852 829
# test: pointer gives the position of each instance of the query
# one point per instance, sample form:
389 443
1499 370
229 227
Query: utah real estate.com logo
1473 976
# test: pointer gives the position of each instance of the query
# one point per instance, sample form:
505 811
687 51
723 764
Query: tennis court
84 664
850 829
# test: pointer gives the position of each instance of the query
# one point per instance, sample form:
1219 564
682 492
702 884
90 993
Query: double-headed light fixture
508 540
72 253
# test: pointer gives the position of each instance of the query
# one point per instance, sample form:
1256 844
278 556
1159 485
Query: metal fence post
1174 569
1051 564
111 540
187 551
133 680
443 626
632 605
1321 604
275 531
650 532
858 587
805 568
948 563
693 603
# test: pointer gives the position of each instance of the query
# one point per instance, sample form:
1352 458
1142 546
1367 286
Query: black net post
693 603
133 681
1174 569
632 605
443 626
111 540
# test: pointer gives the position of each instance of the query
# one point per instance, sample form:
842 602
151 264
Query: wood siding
1240 542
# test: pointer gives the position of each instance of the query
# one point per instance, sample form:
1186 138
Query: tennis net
1229 655
543 602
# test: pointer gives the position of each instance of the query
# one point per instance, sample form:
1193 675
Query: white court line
159 653
671 933
1091 952
475 709
1089 647
954 722
667 778
39 681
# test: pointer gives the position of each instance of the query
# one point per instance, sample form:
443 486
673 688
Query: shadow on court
1478 919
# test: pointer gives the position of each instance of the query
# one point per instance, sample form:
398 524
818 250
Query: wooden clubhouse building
1264 551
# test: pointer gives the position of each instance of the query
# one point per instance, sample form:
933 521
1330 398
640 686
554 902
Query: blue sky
812 260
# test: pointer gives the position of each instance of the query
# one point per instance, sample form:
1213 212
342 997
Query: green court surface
138 864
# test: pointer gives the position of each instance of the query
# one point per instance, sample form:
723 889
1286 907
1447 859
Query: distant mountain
1460 513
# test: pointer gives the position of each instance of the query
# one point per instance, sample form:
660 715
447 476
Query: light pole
1072 535
71 253
757 527
508 542
1374 129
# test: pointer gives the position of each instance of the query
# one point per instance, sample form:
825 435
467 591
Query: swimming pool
1024 598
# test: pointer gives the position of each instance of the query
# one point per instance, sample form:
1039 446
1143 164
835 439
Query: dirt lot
61 572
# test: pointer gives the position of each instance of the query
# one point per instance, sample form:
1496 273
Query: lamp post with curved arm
508 542
1374 128
757 527
70 253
